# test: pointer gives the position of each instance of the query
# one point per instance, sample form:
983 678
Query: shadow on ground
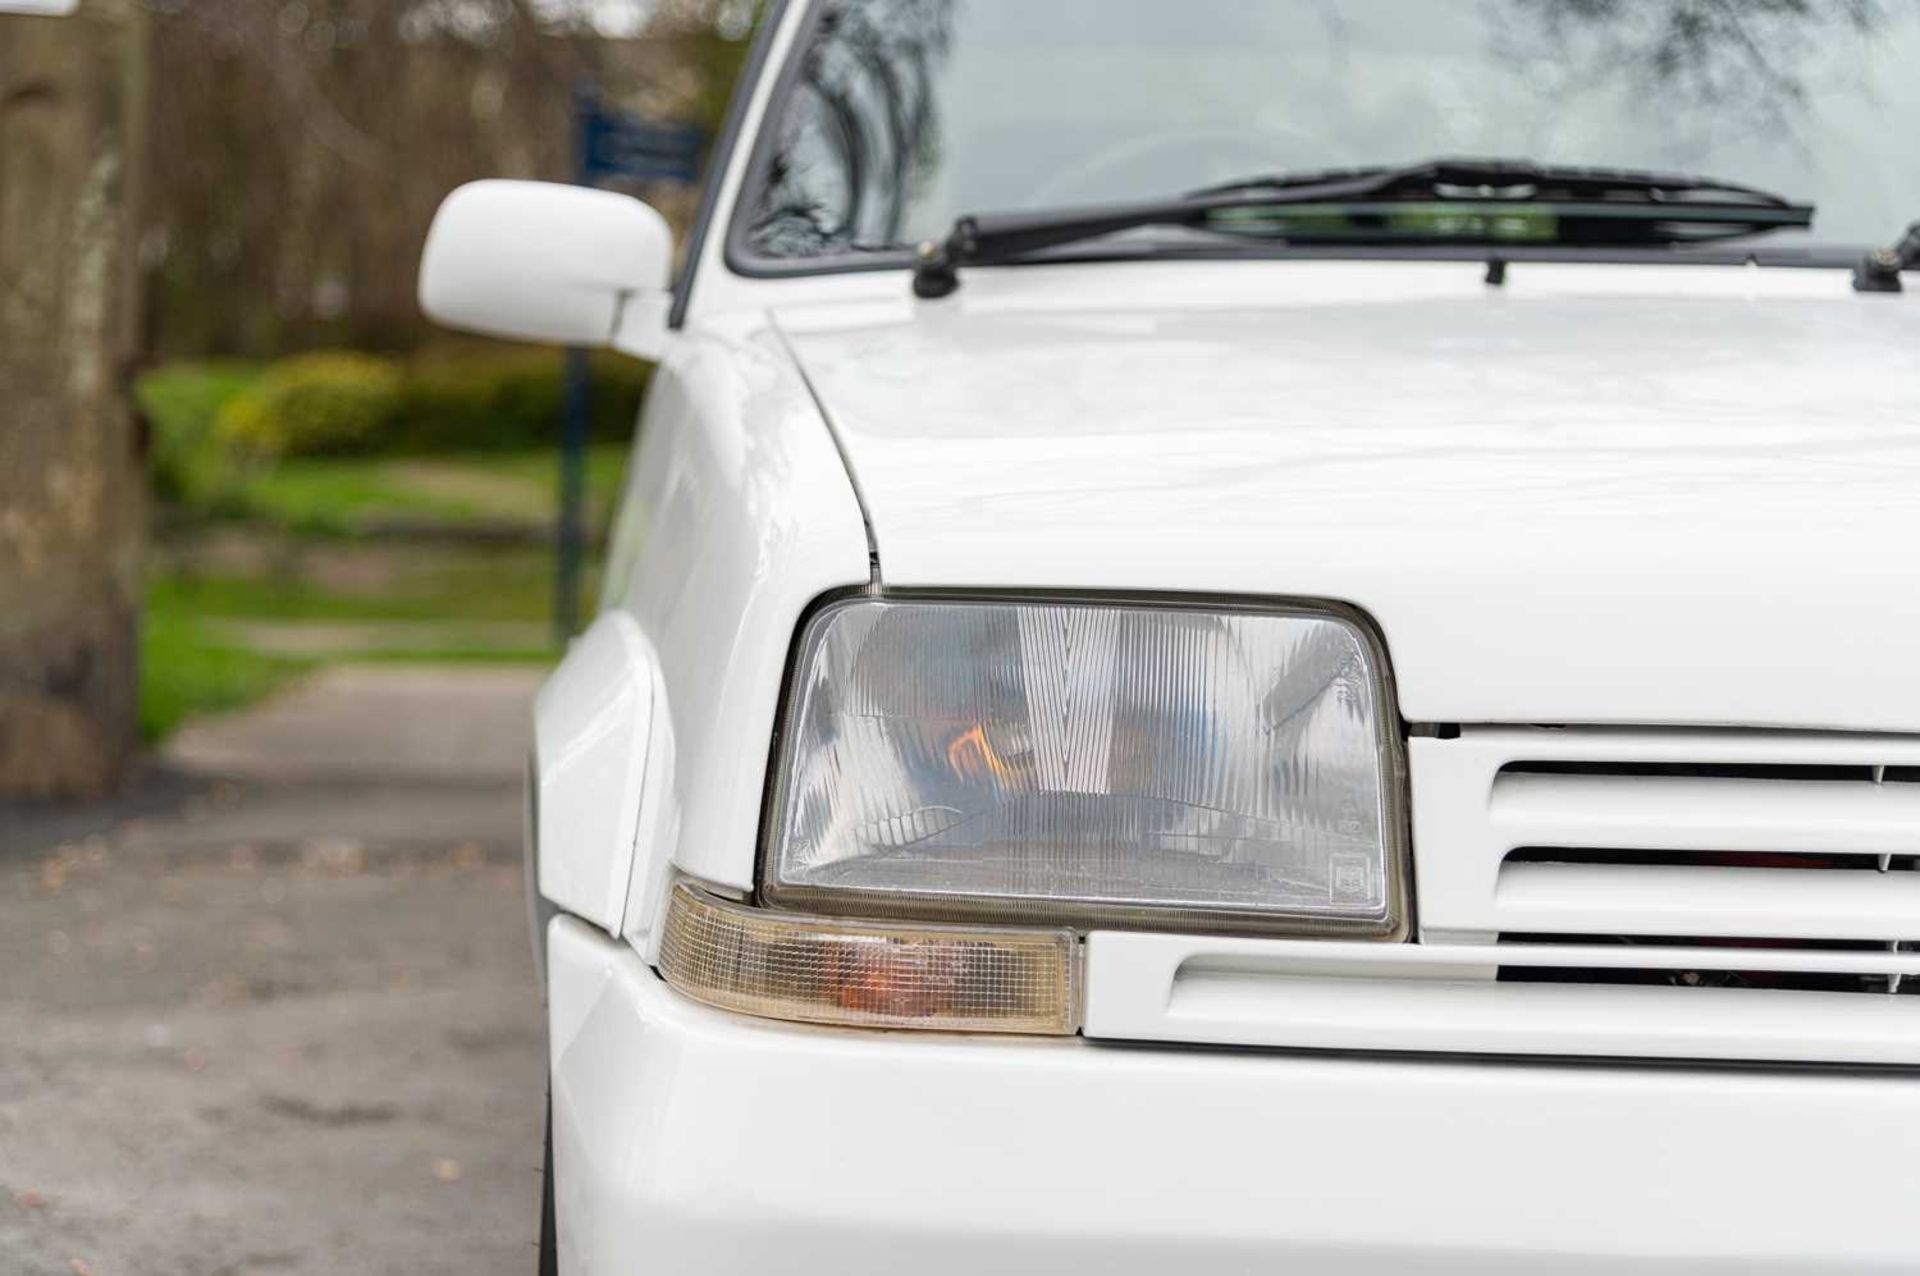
274 1010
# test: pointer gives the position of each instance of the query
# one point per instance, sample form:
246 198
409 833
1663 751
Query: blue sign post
615 146
609 145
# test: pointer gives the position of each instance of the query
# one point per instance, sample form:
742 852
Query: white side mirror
534 261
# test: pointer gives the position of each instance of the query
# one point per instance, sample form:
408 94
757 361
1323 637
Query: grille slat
1649 899
1754 865
1677 813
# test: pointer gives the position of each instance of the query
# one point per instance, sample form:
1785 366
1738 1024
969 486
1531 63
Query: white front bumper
690 1141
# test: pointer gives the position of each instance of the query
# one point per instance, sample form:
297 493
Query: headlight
1097 764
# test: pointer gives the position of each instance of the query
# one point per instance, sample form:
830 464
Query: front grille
1784 867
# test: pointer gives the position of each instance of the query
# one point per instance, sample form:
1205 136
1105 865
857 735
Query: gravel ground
274 1010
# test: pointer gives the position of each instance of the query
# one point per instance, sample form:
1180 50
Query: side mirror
534 261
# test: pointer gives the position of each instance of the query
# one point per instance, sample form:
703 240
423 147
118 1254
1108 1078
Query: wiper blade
1504 179
1445 201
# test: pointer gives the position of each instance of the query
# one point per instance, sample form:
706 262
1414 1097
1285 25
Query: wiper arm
1507 179
1880 272
1595 207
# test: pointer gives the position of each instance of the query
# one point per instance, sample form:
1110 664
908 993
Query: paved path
274 1011
390 723
378 639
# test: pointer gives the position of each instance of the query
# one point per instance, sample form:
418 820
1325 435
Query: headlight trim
1394 924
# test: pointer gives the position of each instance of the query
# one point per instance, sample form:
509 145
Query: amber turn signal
869 974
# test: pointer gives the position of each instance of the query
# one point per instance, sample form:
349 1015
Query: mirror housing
536 261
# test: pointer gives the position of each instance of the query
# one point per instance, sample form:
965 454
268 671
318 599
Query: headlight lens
1110 764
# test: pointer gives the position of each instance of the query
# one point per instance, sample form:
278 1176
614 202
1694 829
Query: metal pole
577 407
573 491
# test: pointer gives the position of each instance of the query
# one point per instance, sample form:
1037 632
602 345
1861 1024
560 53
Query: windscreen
900 115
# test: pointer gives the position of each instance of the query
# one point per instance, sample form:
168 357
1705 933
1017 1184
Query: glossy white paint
593 730
536 261
738 515
1602 494
687 1140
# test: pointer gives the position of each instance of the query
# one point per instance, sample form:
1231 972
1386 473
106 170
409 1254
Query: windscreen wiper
1452 201
1880 272
1500 177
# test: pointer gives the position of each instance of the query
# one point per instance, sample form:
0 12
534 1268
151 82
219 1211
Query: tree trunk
72 98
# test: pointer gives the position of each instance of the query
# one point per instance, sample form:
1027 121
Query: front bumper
691 1141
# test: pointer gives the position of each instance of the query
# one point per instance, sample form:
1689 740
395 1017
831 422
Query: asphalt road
274 1011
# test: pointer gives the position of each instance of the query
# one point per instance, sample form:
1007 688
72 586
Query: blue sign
616 145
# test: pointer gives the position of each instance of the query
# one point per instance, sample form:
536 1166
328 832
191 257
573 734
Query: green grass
255 548
336 498
351 495
198 658
455 654
197 474
502 585
187 669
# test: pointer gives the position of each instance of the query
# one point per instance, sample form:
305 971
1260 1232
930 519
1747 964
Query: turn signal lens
868 974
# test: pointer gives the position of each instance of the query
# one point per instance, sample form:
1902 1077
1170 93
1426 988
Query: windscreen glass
901 115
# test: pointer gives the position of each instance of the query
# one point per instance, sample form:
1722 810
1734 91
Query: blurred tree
299 148
1721 52
72 99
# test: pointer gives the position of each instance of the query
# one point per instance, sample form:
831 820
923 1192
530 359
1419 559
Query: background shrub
211 419
325 404
464 398
191 465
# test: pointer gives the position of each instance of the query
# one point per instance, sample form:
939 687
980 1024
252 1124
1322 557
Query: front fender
595 731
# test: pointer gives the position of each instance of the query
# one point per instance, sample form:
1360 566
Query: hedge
181 402
327 404
457 402
210 421
346 403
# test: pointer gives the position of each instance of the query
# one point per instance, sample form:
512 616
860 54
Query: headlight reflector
1114 764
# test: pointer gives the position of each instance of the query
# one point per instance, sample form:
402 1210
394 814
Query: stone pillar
72 471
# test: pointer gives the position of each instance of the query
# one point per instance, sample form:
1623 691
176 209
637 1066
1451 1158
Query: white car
1192 681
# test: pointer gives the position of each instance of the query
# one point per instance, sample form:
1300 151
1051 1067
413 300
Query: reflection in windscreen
908 113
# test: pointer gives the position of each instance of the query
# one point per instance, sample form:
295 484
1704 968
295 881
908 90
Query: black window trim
720 159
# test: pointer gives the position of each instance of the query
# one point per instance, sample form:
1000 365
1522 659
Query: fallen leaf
447 1170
